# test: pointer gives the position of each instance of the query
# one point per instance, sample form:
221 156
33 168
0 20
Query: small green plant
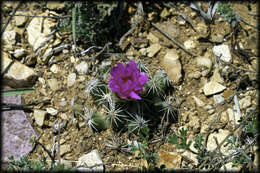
180 140
225 9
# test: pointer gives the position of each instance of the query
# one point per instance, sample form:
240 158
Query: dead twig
53 17
173 40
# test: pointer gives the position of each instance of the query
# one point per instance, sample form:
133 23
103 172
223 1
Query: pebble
9 38
19 53
55 68
224 51
82 68
71 79
52 111
216 77
172 66
203 62
212 87
53 84
90 159
233 116
194 123
18 75
39 116
55 5
20 20
153 49
64 149
171 160
143 51
245 102
218 99
189 44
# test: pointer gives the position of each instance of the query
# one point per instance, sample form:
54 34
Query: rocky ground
212 67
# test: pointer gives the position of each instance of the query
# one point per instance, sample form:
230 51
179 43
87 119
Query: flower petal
133 95
117 70
143 78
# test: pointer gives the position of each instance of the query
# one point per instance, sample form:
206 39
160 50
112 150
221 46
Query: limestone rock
9 38
90 159
189 44
218 99
65 148
204 62
82 68
19 53
55 69
39 116
153 49
216 77
213 88
245 102
20 20
233 116
16 74
169 159
198 102
53 84
71 79
172 66
224 51
152 38
35 36
55 5
52 111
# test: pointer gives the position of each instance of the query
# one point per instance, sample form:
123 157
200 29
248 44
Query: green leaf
173 139
17 91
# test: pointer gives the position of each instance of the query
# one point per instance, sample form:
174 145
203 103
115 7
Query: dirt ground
78 136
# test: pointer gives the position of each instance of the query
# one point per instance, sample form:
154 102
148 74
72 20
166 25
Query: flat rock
233 116
212 87
216 77
198 102
9 38
152 38
55 69
20 20
189 44
35 36
52 111
53 84
172 66
65 148
82 68
17 75
169 159
224 51
153 49
71 79
55 5
39 116
203 62
90 159
245 102
218 99
19 53
16 131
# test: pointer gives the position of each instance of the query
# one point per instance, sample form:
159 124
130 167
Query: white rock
194 123
245 102
208 107
172 66
224 51
20 20
189 44
39 116
233 116
212 88
218 99
35 36
220 135
198 102
19 53
55 68
152 38
153 49
71 79
203 62
18 74
55 5
143 51
65 148
63 102
82 68
89 160
52 111
9 38
53 84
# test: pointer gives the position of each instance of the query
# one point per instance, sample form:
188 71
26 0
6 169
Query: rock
220 135
71 79
82 68
64 116
204 128
152 38
198 102
171 160
211 111
217 38
16 131
153 49
218 99
55 68
190 156
143 51
202 29
63 102
52 5
89 160
53 84
9 38
233 116
194 123
16 74
224 118
203 62
189 44
195 75
216 77
65 148
35 36
20 20
245 102
172 66
224 51
52 111
47 55
19 53
164 13
39 116
212 88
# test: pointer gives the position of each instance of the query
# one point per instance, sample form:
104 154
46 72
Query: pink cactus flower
127 81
